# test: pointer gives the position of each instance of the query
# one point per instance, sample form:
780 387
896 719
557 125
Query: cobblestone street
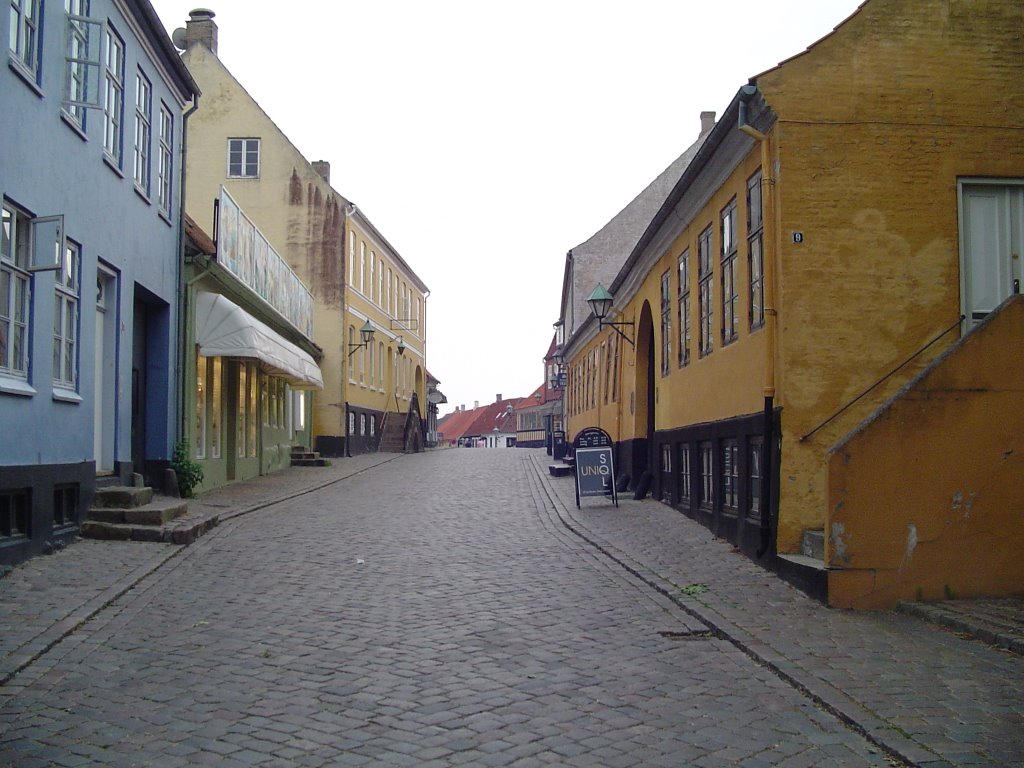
455 608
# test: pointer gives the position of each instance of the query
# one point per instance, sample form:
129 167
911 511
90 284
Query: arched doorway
643 407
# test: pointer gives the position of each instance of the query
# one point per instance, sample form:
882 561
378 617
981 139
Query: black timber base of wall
530 443
739 526
631 459
329 445
39 483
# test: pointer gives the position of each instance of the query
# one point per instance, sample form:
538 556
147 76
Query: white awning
223 329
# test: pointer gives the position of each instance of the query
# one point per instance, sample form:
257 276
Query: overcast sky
485 139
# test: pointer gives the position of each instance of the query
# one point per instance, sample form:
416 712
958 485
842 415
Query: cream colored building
374 395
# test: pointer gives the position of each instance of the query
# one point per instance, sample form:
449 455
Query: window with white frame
685 487
165 162
666 322
113 102
352 258
730 294
15 290
380 283
243 158
730 475
77 74
707 478
351 346
755 250
754 477
684 308
65 318
143 130
704 275
373 275
362 267
24 34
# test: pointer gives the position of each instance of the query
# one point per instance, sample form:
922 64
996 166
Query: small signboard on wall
595 465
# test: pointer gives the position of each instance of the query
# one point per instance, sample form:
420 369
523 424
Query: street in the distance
455 608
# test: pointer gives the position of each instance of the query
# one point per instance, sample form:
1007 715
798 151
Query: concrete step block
813 544
121 497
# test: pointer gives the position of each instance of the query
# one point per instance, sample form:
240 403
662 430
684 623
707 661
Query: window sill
112 164
74 125
25 74
62 395
166 218
12 386
142 194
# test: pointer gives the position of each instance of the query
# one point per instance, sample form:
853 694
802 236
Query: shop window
202 368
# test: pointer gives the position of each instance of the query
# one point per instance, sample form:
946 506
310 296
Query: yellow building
790 366
374 394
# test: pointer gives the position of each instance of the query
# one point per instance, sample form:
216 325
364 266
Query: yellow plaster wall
876 123
291 205
377 395
728 382
925 501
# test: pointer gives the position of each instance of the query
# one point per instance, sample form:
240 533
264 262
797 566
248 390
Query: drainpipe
769 249
182 288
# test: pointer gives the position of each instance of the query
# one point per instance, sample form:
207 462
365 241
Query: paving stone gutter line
31 650
890 740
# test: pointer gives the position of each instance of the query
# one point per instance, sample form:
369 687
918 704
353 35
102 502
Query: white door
104 367
993 246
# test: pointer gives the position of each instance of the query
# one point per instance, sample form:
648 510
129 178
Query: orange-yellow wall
925 501
727 382
876 123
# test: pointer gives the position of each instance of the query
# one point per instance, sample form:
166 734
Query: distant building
539 415
357 278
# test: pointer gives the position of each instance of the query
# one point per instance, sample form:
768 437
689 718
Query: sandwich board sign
595 467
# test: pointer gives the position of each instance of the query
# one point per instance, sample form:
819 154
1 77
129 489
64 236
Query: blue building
91 134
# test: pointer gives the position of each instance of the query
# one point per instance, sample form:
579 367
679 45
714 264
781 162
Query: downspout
769 249
183 304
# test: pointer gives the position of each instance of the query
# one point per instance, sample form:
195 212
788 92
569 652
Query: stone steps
136 513
300 457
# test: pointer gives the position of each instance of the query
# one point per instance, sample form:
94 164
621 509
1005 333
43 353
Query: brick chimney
707 122
201 28
497 398
324 169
